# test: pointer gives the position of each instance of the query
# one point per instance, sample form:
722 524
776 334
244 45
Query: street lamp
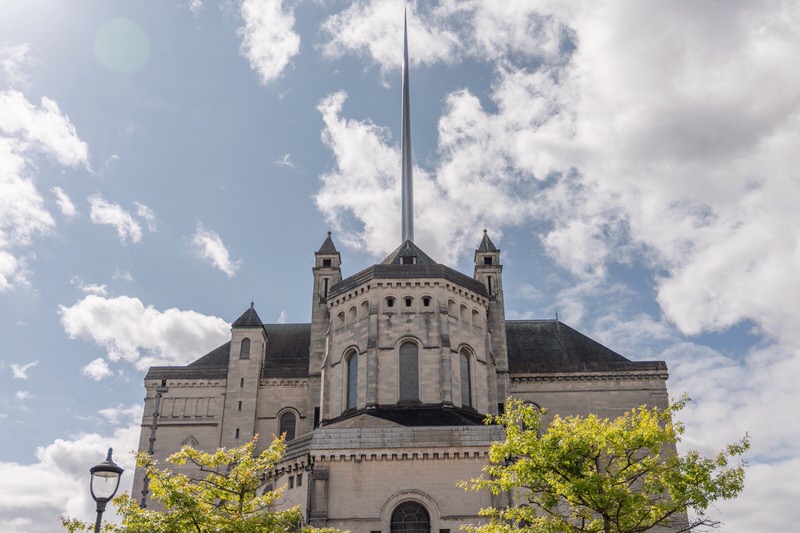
105 482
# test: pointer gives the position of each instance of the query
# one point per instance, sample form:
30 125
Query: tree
222 499
587 474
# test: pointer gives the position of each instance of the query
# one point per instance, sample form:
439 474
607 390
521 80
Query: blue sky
162 164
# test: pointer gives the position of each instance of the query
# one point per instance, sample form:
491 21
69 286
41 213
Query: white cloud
27 132
282 317
65 205
147 215
22 395
21 371
142 335
90 288
373 29
122 275
13 271
285 161
97 369
43 128
195 6
208 245
105 212
13 59
62 467
22 211
268 38
448 32
123 413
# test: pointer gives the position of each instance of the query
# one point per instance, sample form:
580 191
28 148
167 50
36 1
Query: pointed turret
327 269
488 268
407 165
248 319
246 358
489 272
327 273
486 244
328 247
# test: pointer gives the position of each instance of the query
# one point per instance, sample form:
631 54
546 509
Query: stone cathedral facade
382 395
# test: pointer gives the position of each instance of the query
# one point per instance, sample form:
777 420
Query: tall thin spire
405 143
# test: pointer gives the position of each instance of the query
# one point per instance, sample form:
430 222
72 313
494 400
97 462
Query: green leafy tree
592 475
223 498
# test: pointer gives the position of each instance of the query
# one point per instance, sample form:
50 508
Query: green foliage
222 499
587 475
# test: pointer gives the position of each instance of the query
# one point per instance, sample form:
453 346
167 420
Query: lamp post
104 484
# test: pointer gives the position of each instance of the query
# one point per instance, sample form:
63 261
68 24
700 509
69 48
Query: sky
163 164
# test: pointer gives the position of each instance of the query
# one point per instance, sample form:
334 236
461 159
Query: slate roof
249 319
327 247
287 351
393 268
486 244
218 357
552 346
534 346
411 416
286 357
408 249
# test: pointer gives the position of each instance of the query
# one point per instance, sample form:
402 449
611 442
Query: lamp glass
104 484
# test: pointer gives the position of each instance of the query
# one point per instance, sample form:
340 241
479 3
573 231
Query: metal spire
405 145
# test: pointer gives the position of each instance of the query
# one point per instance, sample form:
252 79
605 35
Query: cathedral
382 396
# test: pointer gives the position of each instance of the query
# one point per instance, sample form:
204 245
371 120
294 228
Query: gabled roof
552 346
393 268
249 319
408 249
328 247
486 244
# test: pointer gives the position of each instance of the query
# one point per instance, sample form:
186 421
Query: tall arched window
466 381
409 372
287 424
244 352
410 517
352 380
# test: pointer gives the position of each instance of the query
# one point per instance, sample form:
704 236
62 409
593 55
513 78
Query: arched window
244 352
466 382
288 423
352 380
410 517
452 309
409 372
351 315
